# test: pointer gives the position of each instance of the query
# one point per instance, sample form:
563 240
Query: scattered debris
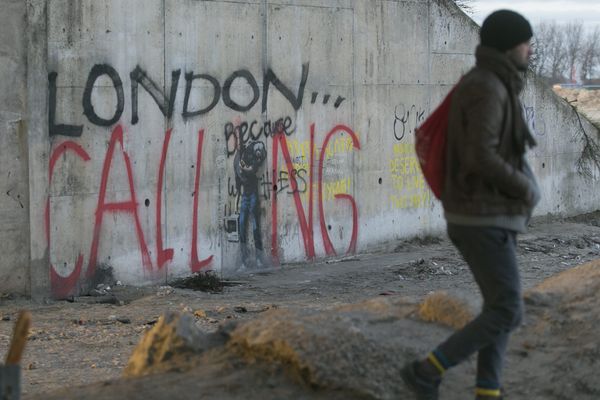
424 269
96 299
418 241
164 291
207 281
342 259
186 309
592 219
100 290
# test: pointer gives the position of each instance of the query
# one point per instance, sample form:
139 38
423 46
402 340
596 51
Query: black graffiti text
166 102
407 119
237 135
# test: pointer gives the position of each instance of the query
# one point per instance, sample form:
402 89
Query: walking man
488 197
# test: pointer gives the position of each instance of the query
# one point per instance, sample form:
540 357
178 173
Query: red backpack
430 145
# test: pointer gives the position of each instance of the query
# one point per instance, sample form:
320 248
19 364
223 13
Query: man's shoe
484 397
263 260
425 389
488 394
245 258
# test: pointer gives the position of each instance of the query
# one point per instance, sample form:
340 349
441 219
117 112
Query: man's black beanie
505 29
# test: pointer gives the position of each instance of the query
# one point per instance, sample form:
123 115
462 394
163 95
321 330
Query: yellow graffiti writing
341 186
417 200
337 145
408 165
408 184
298 148
404 149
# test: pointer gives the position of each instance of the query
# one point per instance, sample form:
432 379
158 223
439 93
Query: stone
170 344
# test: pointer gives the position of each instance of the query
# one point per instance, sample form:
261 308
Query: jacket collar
497 62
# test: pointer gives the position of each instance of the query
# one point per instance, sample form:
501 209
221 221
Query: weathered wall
14 189
153 103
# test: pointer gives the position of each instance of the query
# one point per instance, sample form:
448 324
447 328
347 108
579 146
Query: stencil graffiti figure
246 162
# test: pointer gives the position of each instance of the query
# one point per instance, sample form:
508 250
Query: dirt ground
83 342
587 102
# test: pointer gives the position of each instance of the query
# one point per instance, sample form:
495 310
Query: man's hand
244 166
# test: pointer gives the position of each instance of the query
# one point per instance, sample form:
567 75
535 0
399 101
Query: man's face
520 55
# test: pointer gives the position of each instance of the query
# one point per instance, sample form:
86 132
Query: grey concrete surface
14 203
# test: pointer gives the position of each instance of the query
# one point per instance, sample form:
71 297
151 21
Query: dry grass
580 282
440 307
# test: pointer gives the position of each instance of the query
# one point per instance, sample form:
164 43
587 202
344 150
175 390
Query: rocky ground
336 329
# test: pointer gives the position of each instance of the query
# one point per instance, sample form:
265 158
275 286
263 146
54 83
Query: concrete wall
14 189
151 103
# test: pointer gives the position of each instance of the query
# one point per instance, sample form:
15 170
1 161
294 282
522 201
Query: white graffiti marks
536 126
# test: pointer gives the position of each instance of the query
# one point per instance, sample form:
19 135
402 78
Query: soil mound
355 351
562 335
587 102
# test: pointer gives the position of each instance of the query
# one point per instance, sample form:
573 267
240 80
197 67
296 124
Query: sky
587 11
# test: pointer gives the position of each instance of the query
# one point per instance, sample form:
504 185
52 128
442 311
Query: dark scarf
497 62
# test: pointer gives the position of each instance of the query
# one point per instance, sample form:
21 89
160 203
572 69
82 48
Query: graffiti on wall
409 189
536 125
295 178
407 119
166 104
248 159
294 174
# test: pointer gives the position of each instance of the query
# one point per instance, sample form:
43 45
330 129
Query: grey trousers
491 256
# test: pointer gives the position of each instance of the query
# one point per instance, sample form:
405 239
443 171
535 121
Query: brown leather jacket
485 170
